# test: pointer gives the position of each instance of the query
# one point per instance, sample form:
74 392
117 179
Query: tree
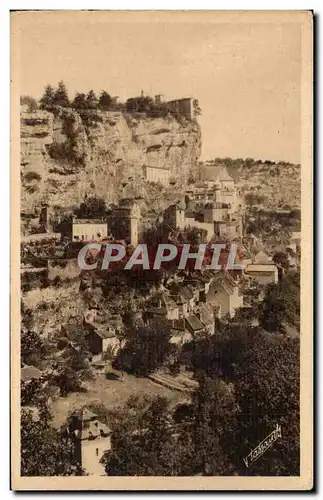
146 349
30 102
281 259
141 104
281 304
72 370
79 101
264 370
32 348
44 451
149 438
196 107
92 207
47 99
142 440
105 100
214 411
31 393
61 95
91 100
267 382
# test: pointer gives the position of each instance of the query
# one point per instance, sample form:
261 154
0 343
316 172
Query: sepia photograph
161 250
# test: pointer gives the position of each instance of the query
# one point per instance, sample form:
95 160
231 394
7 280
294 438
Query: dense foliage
92 207
248 383
146 348
44 450
281 305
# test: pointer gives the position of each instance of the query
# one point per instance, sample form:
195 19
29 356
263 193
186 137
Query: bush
30 102
32 176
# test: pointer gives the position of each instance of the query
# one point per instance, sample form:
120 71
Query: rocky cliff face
66 155
272 185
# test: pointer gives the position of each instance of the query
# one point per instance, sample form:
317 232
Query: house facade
154 173
92 440
263 273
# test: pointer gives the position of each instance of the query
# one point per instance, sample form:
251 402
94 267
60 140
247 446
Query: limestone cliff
273 185
67 154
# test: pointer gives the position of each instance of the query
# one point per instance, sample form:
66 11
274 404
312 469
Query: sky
246 75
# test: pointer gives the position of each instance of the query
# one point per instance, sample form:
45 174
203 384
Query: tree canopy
44 450
146 349
92 207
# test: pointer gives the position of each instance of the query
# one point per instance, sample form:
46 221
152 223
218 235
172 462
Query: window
97 451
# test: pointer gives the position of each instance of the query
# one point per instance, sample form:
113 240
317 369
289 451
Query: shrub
32 176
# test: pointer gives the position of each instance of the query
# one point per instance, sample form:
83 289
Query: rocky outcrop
66 155
273 185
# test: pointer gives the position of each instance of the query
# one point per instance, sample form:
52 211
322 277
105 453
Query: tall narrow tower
124 221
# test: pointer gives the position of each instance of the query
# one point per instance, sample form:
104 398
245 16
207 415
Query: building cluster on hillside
218 208
121 223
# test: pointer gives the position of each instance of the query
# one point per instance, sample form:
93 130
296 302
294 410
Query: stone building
174 216
184 106
156 173
224 294
84 229
92 440
214 218
263 273
124 221
163 307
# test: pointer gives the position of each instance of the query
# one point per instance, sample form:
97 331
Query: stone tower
124 221
92 440
174 216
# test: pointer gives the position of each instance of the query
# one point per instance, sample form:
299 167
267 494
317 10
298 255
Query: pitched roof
93 430
162 300
260 268
104 333
206 314
225 280
83 414
29 373
177 324
262 258
222 174
89 221
194 323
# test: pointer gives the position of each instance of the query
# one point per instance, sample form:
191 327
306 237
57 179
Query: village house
162 306
92 440
206 315
84 229
194 325
123 221
183 106
179 333
263 273
183 298
262 258
102 333
216 218
174 216
224 294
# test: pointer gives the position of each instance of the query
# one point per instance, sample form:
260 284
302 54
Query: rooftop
194 323
264 268
83 414
89 221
